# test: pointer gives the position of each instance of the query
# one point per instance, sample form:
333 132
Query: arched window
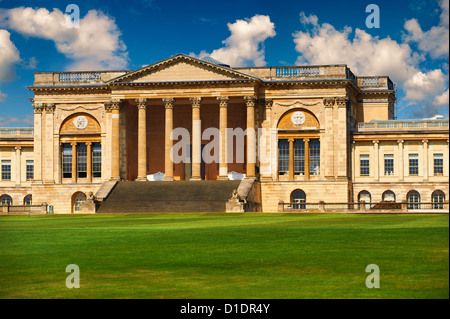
364 196
298 198
389 196
27 200
413 199
78 200
6 200
438 198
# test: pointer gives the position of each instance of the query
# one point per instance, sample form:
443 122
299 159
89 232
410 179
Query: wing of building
298 137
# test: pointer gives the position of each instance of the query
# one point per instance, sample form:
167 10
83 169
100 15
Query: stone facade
309 128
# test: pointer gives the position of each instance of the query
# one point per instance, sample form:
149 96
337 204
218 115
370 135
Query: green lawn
224 255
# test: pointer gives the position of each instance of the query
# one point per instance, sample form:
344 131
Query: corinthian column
168 162
115 142
142 139
251 140
196 139
223 123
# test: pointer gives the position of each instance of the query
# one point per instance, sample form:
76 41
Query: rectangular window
299 157
414 164
388 164
283 157
82 160
438 164
67 160
6 170
96 160
364 165
30 170
314 157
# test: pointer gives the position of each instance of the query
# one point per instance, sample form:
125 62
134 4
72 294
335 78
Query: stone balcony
402 125
16 132
290 73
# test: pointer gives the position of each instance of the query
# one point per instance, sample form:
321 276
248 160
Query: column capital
291 139
18 148
168 102
113 104
342 101
375 142
49 107
141 103
329 101
73 143
306 140
196 101
88 143
400 141
250 100
268 103
223 101
424 141
38 108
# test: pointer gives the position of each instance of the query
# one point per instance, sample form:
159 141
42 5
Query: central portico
181 92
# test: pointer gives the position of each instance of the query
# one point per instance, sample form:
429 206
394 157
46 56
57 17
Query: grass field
224 255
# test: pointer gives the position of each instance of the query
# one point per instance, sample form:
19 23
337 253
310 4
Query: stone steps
165 197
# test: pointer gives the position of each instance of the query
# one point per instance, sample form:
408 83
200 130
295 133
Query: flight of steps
165 197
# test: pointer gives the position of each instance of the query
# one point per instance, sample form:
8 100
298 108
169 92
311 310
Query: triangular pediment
181 68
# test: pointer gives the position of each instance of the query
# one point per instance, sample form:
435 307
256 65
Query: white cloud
435 41
369 55
10 121
2 96
245 45
442 100
9 56
95 44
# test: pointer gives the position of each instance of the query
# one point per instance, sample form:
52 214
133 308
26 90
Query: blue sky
411 45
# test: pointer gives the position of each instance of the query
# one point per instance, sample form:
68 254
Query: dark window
67 160
27 200
6 199
82 160
364 165
97 160
283 157
388 164
30 170
413 164
438 198
6 170
413 199
314 157
438 164
299 157
298 199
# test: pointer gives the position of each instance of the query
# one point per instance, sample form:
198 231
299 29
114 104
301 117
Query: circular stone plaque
81 122
298 118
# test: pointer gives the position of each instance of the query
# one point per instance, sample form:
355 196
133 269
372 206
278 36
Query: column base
168 179
141 179
115 179
195 178
222 178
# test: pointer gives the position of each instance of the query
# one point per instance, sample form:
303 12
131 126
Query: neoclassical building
295 136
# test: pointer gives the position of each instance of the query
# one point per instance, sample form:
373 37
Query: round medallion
81 122
298 118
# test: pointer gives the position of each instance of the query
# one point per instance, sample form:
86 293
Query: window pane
82 160
67 160
283 157
96 160
299 157
388 164
30 170
364 165
438 164
314 157
6 170
413 164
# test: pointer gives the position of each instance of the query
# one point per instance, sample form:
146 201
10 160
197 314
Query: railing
297 71
363 207
16 132
371 81
435 124
351 76
17 209
80 76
